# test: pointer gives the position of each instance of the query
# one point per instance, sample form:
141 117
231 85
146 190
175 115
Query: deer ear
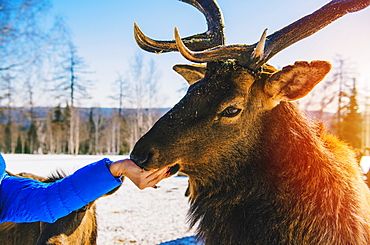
296 81
191 73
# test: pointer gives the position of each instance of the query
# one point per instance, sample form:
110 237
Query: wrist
120 168
114 169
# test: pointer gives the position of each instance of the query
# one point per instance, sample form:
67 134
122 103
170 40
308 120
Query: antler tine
237 52
149 44
260 47
308 25
214 36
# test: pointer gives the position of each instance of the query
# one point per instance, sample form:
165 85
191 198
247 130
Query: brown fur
266 174
79 227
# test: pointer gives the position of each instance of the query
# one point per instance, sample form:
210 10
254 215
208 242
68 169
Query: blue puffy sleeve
2 168
26 200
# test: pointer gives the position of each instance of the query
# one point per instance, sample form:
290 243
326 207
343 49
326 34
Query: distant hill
22 115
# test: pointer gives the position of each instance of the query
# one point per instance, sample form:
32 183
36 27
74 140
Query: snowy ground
130 216
365 164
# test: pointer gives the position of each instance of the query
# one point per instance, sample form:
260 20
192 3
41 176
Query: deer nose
140 160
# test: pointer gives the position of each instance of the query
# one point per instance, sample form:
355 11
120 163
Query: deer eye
230 112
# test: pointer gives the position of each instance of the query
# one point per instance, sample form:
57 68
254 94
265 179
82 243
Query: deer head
221 114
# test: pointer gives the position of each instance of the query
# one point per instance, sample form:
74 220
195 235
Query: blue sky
103 34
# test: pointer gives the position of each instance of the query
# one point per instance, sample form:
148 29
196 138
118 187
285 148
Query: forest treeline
52 130
96 130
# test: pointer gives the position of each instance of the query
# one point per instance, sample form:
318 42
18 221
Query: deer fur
260 170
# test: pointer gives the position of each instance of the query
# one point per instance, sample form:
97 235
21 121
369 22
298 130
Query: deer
260 170
78 227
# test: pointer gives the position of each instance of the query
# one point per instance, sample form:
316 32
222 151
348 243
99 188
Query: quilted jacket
25 200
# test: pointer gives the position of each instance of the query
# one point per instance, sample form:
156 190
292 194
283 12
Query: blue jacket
25 200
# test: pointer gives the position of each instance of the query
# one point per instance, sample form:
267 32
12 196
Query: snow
365 164
129 216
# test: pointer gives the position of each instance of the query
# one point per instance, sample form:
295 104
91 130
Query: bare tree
118 90
141 95
119 129
21 33
152 82
70 82
98 122
71 85
25 42
116 133
29 85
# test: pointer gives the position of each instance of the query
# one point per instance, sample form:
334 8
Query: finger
157 173
156 178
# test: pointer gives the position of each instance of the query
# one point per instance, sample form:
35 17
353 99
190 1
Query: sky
102 32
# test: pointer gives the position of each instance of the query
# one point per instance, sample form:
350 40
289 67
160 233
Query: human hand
141 178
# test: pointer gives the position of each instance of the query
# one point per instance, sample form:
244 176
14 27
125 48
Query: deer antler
255 55
214 36
308 25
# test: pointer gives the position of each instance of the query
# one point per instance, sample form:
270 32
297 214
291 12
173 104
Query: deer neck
232 199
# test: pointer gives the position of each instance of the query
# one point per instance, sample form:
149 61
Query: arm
26 200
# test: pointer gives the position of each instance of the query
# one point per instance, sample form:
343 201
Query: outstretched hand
141 178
